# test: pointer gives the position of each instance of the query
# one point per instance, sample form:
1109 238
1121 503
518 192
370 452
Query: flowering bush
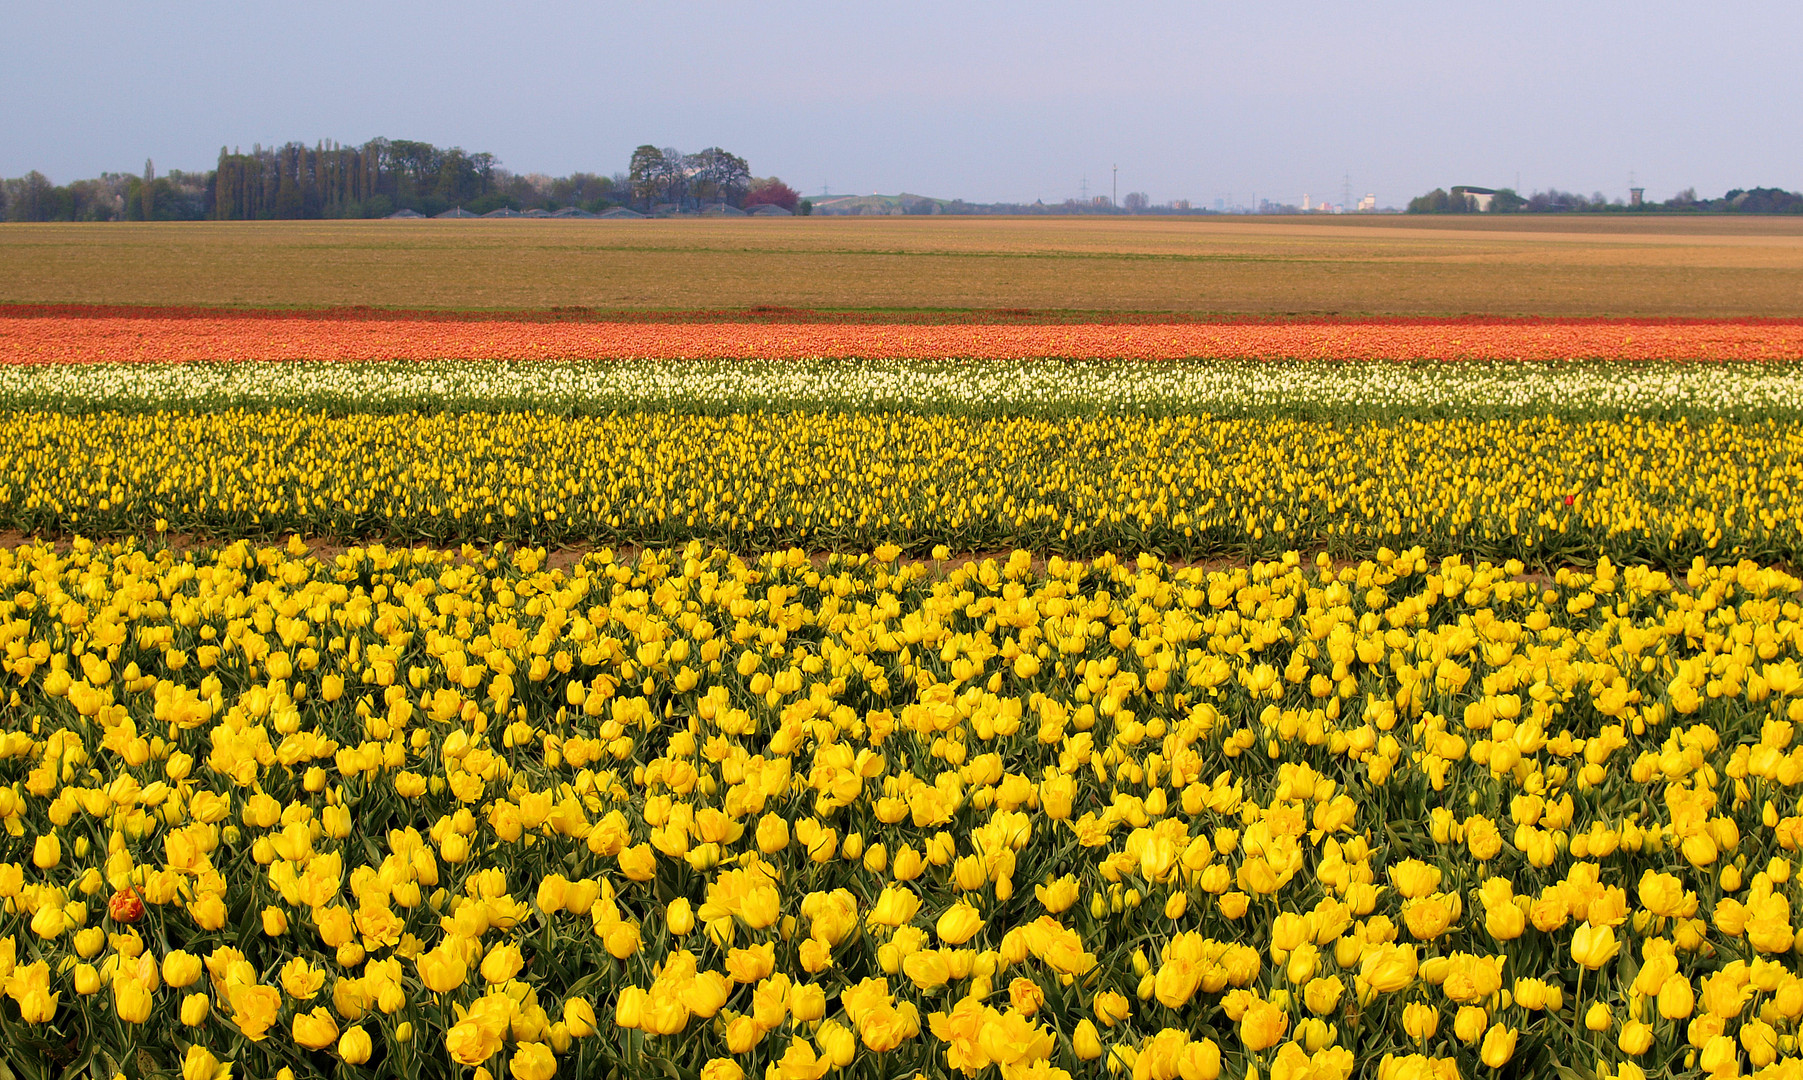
409 812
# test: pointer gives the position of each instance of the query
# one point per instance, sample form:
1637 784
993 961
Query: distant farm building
1480 196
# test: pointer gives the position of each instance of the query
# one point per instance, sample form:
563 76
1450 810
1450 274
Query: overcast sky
986 101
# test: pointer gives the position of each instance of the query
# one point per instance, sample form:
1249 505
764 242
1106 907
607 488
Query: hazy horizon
1010 102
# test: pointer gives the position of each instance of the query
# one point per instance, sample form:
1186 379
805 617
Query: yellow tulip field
700 811
1025 737
1547 489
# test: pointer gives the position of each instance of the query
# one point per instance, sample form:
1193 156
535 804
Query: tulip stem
1577 1003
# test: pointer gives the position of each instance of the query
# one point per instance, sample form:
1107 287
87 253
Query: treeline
384 176
1554 201
178 196
666 180
329 180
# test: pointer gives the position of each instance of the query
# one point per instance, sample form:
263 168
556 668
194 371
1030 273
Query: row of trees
178 196
1554 201
33 197
382 176
329 180
666 178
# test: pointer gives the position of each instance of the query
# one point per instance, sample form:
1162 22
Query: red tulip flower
126 906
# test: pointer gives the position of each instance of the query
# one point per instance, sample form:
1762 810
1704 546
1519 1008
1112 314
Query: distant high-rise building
1305 206
1635 196
1368 203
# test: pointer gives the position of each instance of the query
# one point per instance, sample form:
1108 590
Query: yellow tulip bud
579 1017
532 1061
181 969
199 1064
1262 1026
315 1030
958 924
1420 1021
1499 1046
908 864
1468 1024
354 1046
1593 946
724 1069
679 916
1597 1017
772 833
131 1000
1086 1041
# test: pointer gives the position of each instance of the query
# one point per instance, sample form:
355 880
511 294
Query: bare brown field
1551 266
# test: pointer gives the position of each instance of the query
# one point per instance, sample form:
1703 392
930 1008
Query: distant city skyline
1003 103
